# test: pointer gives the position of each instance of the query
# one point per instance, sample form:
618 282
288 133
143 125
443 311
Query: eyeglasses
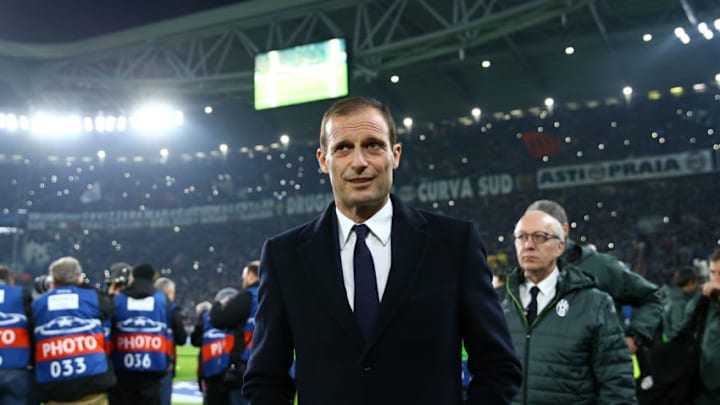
538 238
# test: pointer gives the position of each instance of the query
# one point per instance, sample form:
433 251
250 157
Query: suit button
367 369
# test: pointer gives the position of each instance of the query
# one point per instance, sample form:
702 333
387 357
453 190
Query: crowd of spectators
654 225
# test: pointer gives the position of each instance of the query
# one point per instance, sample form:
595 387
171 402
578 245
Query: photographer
237 313
15 352
117 278
71 312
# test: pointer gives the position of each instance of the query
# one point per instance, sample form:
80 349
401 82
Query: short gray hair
66 270
165 285
551 208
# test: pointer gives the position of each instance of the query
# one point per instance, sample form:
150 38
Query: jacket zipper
528 333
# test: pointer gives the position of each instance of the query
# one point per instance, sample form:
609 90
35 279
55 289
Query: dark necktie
532 307
366 294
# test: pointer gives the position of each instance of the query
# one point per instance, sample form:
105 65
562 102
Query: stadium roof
107 55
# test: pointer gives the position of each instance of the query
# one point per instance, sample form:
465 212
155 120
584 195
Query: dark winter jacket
575 350
624 286
674 318
709 354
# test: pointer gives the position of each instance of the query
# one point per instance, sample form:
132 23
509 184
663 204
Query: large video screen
301 74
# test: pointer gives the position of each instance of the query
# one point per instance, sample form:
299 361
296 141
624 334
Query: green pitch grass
186 369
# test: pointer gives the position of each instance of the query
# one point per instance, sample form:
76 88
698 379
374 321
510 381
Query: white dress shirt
378 241
547 288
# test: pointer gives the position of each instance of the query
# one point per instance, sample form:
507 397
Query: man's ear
321 156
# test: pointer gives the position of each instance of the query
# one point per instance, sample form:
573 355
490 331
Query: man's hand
711 288
631 344
202 307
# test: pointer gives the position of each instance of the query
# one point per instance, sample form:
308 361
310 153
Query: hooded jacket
624 286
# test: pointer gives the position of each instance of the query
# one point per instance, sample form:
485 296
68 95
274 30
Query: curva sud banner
436 190
640 168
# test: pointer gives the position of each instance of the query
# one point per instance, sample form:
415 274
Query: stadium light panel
647 37
24 123
100 123
121 124
74 125
11 123
110 123
156 118
285 139
88 124
179 118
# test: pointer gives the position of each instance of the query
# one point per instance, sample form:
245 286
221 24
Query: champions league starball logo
11 319
140 324
65 325
214 334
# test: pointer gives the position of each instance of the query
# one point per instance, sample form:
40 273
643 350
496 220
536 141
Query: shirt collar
548 284
380 225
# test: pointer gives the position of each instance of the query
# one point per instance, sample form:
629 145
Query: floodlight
11 122
88 124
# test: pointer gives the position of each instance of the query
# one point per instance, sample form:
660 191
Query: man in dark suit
374 298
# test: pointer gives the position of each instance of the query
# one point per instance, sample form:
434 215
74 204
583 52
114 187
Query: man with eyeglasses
565 330
615 278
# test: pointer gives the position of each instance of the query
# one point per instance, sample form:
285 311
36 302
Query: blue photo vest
69 338
14 335
140 340
250 325
216 347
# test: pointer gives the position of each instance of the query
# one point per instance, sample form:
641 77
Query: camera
41 284
233 376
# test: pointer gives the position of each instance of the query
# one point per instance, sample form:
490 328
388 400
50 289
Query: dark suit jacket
438 292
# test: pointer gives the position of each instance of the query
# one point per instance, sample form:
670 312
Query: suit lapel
409 246
320 257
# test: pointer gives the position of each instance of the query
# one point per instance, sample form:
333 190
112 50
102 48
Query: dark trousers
216 392
136 389
15 386
166 386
